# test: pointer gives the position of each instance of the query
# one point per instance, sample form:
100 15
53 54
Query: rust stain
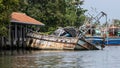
51 42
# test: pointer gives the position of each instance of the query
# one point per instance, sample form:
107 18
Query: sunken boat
67 38
61 39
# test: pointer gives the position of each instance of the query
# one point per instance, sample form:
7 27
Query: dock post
2 42
21 38
16 34
24 39
26 36
9 35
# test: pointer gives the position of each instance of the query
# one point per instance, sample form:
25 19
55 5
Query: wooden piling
9 34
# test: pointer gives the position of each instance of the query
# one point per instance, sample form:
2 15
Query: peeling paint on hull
56 43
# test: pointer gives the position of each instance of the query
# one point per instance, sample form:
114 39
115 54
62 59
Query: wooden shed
18 28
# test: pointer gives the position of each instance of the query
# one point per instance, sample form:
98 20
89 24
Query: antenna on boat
92 21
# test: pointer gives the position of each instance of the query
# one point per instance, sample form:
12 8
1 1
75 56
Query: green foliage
55 13
6 8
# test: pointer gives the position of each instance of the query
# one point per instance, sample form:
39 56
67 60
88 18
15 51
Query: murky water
107 58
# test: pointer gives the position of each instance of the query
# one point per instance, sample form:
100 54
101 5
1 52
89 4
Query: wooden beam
16 38
9 34
26 27
21 32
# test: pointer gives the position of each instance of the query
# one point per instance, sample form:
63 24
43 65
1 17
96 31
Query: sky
110 7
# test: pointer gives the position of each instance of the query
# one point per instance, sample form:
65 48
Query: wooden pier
20 25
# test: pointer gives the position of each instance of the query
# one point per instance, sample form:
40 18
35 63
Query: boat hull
48 42
108 41
51 42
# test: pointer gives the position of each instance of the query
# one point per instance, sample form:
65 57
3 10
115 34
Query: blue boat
112 41
108 41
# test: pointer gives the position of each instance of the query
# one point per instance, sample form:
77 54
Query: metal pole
107 30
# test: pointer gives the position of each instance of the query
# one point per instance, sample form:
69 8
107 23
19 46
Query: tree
74 13
55 13
6 8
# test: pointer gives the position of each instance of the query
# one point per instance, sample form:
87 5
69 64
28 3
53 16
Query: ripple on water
107 58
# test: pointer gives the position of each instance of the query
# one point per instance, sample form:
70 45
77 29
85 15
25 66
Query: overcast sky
111 7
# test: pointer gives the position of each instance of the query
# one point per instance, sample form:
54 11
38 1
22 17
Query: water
107 58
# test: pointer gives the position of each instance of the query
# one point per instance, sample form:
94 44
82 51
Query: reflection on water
107 58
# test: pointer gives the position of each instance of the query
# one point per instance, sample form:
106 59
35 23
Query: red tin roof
23 18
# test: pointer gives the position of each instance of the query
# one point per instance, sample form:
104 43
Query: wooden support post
3 41
10 34
24 39
21 39
26 30
23 35
16 34
12 37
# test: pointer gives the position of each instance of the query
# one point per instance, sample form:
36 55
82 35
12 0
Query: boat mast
93 20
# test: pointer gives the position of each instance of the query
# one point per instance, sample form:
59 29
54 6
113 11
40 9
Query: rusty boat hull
47 42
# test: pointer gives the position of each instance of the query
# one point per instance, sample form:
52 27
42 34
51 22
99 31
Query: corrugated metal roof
24 19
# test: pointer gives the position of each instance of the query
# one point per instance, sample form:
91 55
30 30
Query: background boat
108 41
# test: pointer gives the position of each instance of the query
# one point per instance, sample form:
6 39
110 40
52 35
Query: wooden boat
40 41
65 38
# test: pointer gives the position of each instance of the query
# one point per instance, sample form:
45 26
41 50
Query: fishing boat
48 42
63 39
112 37
108 41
